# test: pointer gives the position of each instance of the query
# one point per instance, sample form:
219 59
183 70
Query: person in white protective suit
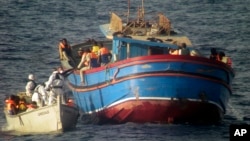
30 86
40 95
55 85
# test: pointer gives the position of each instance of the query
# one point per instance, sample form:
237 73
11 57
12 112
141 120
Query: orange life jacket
65 48
105 56
103 51
61 45
70 102
92 55
11 106
174 52
31 106
93 60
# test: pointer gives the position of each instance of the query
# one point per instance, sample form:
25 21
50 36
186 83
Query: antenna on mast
141 12
142 5
128 11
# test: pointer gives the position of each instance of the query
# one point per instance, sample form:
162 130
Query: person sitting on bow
89 60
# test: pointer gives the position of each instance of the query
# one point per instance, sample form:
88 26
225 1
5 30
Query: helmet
31 77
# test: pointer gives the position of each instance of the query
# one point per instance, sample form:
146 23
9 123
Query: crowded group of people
38 95
97 56
46 93
183 50
220 56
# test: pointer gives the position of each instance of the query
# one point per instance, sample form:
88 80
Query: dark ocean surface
30 31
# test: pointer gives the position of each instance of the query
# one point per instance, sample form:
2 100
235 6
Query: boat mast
128 11
142 6
141 12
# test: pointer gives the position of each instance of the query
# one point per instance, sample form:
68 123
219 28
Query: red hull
161 111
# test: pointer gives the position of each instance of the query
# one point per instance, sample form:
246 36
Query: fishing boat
145 83
48 119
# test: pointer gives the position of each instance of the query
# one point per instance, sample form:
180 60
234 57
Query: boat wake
234 113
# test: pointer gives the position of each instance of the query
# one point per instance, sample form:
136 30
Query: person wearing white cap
30 86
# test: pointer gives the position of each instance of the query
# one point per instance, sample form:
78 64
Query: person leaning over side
30 86
40 95
64 49
55 85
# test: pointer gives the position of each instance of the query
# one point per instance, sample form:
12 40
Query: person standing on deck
55 85
65 51
30 86
95 48
104 55
183 49
40 95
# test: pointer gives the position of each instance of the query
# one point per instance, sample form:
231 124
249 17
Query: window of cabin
135 49
157 50
132 50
